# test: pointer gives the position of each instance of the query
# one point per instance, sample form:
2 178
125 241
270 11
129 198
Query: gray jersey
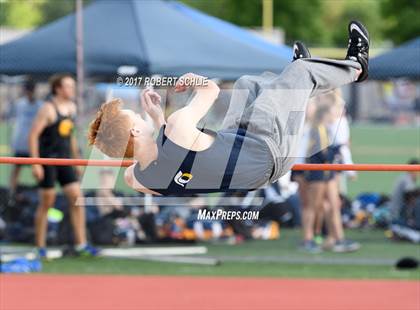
236 160
272 111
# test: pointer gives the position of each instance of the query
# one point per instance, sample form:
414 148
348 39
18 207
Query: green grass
381 144
234 269
374 247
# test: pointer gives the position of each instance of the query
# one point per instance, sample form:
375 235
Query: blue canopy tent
156 37
403 61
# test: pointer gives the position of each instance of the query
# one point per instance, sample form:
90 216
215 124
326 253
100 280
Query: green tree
299 18
402 20
34 13
243 13
54 9
366 11
20 14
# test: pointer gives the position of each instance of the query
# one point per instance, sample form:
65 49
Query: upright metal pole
353 108
267 18
79 55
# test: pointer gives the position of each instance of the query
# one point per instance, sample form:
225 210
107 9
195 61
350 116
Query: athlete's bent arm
206 92
150 102
74 147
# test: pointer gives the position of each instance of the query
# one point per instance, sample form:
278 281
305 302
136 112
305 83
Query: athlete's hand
38 172
181 84
152 96
190 80
150 102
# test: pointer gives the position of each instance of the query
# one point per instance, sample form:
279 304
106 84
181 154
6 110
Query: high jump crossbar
126 163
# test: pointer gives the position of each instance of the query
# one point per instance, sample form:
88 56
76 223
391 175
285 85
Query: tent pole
79 55
267 15
353 108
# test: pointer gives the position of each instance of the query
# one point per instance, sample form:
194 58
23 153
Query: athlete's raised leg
288 96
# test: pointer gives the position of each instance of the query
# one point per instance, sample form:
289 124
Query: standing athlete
52 137
25 110
259 136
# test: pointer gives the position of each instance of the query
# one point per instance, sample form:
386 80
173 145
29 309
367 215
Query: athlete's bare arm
182 124
203 99
74 146
150 103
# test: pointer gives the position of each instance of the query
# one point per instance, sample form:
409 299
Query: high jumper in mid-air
258 138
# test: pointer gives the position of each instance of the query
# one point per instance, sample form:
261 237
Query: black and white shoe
358 47
300 51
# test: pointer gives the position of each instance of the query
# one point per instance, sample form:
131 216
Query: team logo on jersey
182 178
65 127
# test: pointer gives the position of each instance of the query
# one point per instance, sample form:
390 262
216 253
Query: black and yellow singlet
55 140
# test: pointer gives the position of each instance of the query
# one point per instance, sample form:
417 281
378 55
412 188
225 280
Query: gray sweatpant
273 106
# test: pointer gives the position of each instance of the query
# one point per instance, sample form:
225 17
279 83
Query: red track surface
70 292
